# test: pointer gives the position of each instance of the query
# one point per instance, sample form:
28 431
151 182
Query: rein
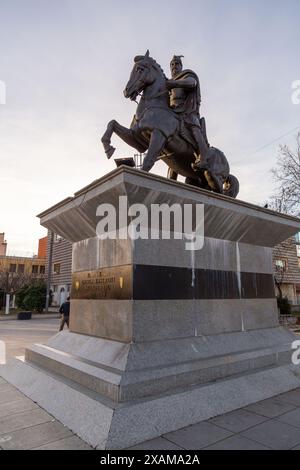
161 93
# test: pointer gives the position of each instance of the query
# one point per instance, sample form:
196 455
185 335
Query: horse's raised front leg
157 143
127 135
106 139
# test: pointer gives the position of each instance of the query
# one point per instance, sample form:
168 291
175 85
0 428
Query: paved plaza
270 424
18 335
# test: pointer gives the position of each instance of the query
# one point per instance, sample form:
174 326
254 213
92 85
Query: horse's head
143 74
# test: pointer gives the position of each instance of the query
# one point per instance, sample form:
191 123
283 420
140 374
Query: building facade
3 244
286 258
42 249
30 267
61 268
17 271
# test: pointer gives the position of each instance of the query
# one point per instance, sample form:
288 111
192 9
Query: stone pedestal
161 337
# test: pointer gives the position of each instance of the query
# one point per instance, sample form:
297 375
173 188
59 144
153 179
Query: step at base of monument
145 370
104 426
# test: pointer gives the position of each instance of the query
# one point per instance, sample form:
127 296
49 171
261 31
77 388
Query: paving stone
292 397
198 436
17 406
156 444
292 418
34 436
6 387
23 420
271 408
274 434
237 442
238 420
10 395
68 443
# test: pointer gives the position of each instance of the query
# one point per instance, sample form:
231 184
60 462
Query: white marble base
106 427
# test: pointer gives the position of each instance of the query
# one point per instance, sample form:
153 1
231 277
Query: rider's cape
192 105
193 99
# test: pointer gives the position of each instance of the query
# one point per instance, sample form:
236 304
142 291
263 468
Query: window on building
56 268
297 236
54 288
281 265
35 269
42 269
21 268
12 268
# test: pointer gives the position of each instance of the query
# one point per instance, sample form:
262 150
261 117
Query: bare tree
10 283
279 278
287 176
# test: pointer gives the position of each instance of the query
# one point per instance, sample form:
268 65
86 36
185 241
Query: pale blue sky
66 62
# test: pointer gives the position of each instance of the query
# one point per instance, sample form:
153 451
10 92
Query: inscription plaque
105 283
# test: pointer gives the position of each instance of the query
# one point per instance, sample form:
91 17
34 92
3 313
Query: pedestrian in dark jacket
65 314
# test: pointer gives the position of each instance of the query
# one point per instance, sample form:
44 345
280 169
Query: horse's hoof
199 167
146 168
110 151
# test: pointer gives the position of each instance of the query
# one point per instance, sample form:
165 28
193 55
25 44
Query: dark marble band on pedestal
144 282
166 282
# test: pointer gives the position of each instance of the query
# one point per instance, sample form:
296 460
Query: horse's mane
152 62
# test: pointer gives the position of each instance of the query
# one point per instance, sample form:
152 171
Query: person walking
65 312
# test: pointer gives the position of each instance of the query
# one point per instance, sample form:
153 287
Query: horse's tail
232 186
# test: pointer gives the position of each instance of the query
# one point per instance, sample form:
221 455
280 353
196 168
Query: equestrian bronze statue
167 126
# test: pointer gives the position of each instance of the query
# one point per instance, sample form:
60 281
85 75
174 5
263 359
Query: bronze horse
159 131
